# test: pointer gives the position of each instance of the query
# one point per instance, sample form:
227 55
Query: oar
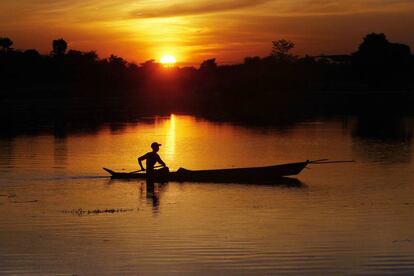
331 162
319 160
159 166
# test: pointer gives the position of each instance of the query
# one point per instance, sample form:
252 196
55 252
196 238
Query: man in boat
152 158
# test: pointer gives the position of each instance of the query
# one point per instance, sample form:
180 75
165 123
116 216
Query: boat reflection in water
152 190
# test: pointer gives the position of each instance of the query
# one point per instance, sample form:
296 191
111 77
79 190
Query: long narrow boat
255 174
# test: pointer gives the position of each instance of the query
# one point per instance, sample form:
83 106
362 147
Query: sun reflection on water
170 138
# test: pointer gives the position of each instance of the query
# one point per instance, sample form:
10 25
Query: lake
61 214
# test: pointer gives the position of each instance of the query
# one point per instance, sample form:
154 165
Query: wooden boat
250 175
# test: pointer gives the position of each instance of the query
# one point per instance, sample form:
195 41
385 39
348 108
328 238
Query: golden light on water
171 135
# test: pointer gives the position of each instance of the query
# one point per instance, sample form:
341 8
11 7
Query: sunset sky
195 30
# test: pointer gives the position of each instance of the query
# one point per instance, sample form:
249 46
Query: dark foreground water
344 219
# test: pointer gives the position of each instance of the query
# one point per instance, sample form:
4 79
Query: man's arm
160 161
140 159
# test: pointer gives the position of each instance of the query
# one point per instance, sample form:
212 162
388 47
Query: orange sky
194 30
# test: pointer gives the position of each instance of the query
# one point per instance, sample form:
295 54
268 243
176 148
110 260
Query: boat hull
251 175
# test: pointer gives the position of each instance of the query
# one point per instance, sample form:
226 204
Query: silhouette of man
152 158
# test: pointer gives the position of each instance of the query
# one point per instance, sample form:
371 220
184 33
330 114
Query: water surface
348 219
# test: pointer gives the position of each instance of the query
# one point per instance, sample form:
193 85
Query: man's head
155 146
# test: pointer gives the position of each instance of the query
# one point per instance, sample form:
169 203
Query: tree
59 47
208 65
74 54
281 48
32 54
91 56
376 50
82 57
5 43
150 66
252 60
117 61
374 45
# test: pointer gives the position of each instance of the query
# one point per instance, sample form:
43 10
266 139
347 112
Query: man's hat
155 144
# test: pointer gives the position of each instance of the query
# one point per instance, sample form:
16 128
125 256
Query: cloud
274 7
338 7
200 7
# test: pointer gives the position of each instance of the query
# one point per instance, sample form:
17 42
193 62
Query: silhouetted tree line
258 86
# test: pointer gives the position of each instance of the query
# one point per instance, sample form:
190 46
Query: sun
168 60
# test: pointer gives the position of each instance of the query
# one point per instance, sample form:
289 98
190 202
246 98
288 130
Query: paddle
159 166
319 160
322 161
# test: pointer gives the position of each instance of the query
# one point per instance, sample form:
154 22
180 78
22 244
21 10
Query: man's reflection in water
152 193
